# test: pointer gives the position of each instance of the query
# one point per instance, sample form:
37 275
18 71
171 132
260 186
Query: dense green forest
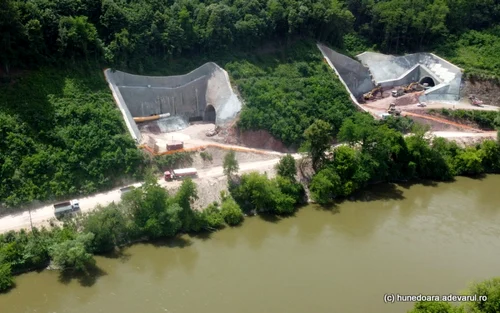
51 119
60 134
378 153
286 96
135 33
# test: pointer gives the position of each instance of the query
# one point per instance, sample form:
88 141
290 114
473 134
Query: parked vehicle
180 173
398 92
66 207
175 145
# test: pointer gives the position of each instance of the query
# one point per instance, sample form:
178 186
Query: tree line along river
431 240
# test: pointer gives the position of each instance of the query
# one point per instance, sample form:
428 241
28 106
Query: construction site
410 85
191 112
197 110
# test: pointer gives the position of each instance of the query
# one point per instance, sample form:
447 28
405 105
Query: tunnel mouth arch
427 80
210 114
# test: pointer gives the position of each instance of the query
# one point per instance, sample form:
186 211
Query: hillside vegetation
61 134
286 96
132 34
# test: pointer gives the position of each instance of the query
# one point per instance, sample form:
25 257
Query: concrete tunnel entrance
210 114
427 80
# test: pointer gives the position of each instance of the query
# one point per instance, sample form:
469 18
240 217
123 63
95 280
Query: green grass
60 135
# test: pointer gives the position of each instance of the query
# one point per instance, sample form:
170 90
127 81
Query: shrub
73 254
206 156
211 217
231 212
6 280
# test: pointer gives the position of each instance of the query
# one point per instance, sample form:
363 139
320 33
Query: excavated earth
486 90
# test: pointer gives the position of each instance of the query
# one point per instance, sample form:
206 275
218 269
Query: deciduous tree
230 165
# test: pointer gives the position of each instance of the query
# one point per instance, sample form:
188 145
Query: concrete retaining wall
127 117
326 54
387 68
408 77
185 96
354 75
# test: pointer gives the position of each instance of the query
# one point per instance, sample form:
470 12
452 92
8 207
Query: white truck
180 173
66 207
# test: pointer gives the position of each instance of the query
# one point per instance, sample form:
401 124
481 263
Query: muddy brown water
421 239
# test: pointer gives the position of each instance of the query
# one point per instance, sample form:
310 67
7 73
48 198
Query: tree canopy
125 33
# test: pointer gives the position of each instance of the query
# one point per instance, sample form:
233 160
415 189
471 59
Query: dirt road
444 134
42 216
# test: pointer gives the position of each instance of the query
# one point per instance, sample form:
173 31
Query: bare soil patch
485 90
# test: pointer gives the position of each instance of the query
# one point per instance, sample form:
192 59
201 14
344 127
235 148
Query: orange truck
180 173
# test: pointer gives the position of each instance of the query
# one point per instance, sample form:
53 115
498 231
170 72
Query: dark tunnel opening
429 81
210 113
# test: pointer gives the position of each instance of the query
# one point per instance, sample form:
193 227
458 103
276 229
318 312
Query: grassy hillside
60 134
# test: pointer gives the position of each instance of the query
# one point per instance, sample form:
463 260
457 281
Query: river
421 239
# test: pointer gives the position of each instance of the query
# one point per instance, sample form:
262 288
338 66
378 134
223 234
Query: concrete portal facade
443 77
203 94
372 69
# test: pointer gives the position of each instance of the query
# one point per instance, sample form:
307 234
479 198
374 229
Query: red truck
180 173
175 145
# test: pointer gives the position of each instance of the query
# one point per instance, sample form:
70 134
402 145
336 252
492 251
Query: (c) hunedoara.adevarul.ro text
393 298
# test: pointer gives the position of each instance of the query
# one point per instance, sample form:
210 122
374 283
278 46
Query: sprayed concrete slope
203 94
444 78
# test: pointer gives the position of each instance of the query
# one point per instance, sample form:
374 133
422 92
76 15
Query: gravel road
42 216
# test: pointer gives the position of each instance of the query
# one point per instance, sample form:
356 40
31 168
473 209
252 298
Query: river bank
402 239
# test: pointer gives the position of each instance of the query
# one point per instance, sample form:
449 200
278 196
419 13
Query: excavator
370 95
393 111
475 101
415 86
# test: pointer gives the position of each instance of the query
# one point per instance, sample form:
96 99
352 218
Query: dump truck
66 207
180 173
393 111
398 92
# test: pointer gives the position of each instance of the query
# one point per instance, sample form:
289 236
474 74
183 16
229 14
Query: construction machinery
180 173
370 95
475 101
415 86
398 92
393 111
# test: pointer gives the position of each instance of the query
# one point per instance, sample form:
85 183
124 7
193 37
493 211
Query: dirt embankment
212 157
486 90
259 139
